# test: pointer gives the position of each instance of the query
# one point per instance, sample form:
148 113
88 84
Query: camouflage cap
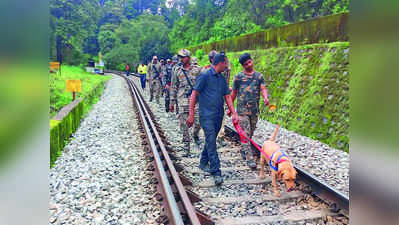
184 53
212 54
194 60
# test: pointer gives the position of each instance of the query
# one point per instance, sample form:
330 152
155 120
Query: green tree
107 40
139 39
71 23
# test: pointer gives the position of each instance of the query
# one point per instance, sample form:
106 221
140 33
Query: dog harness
245 139
279 160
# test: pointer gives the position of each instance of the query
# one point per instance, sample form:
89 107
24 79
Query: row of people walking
201 96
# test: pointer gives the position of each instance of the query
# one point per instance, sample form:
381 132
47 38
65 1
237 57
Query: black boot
251 164
243 155
218 180
221 142
205 169
197 141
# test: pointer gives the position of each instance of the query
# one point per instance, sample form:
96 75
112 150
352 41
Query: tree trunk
59 48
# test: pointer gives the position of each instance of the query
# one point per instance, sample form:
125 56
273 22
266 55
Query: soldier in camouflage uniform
163 72
196 126
154 75
166 80
194 60
247 87
180 91
177 64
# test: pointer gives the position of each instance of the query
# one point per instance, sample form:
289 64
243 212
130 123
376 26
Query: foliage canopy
133 30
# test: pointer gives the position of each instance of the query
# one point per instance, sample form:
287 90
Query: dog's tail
275 133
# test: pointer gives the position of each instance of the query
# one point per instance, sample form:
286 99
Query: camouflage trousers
185 130
248 124
155 89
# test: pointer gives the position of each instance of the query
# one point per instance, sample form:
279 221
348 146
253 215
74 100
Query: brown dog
283 167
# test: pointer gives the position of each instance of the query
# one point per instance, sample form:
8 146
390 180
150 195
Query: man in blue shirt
212 89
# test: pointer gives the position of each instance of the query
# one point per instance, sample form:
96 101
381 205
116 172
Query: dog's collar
279 160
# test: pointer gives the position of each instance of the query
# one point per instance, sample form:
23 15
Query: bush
199 54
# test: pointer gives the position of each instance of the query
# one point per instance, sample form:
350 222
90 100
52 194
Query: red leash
244 139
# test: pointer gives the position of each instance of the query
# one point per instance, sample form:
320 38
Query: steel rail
154 140
173 207
180 188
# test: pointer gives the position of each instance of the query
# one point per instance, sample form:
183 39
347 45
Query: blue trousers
142 81
211 127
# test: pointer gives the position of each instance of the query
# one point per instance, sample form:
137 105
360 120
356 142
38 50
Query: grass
57 85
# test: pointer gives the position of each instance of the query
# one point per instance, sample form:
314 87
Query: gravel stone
101 170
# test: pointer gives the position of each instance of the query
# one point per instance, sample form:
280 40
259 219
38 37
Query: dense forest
133 30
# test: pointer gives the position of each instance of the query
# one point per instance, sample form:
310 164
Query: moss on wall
325 29
309 85
61 130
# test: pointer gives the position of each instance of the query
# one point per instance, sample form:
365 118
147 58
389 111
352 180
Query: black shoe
205 169
243 155
221 142
251 163
218 180
150 99
197 141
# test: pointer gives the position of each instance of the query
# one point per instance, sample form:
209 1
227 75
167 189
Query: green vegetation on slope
325 29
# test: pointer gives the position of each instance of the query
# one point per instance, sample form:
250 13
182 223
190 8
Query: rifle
157 75
167 81
167 98
189 91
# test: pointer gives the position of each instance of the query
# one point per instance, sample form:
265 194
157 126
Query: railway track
176 202
186 193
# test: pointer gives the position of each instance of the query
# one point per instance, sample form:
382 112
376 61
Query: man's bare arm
193 101
264 94
234 95
230 104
